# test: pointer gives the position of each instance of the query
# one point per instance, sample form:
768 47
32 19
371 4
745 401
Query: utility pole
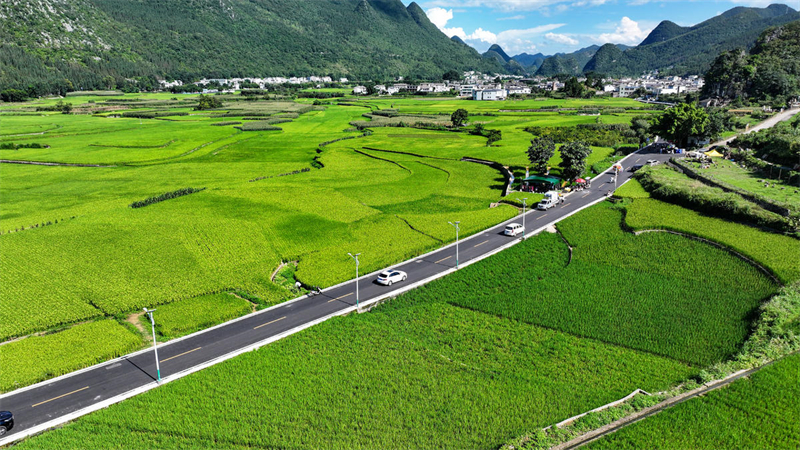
149 313
355 257
524 204
457 229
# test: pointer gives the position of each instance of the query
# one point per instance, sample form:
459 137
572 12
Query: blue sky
551 26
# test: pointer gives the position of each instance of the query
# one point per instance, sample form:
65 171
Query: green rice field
758 412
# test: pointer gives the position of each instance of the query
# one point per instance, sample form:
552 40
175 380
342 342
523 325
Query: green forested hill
678 50
571 63
771 70
52 45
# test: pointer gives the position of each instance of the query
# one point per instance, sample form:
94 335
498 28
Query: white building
518 90
490 94
466 90
360 90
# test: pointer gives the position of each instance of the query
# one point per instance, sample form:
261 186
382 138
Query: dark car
634 168
6 422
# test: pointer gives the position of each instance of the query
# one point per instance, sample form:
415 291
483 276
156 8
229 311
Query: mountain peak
665 31
499 50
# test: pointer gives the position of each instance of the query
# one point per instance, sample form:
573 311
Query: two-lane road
52 402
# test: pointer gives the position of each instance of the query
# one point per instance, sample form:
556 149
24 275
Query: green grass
412 374
185 316
778 253
634 291
758 412
38 358
729 172
632 189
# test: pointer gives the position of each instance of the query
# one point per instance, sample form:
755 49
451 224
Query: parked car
6 422
653 162
513 229
387 277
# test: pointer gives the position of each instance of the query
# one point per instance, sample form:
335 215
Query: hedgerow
165 196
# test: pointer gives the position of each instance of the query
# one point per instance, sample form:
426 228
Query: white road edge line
105 403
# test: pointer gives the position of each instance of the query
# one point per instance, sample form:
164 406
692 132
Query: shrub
165 196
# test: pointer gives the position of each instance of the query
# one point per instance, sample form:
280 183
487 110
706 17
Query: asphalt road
47 402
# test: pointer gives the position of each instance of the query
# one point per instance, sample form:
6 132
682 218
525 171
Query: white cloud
517 17
439 16
483 36
627 31
455 31
560 39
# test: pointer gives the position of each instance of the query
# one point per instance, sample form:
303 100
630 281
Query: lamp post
355 257
457 229
524 204
149 313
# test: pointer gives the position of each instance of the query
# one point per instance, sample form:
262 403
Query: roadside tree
540 152
573 159
680 122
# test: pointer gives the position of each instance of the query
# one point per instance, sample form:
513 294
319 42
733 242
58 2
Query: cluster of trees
573 156
207 102
779 144
685 120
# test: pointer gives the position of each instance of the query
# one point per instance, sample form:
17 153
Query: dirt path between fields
42 163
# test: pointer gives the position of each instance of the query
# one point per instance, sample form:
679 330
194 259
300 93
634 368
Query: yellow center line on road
437 262
567 205
338 298
263 325
584 195
540 217
60 396
173 357
480 243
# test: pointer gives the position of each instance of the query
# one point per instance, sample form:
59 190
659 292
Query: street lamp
524 204
149 313
355 257
457 228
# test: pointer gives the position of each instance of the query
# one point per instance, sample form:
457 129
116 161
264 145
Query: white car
513 229
387 277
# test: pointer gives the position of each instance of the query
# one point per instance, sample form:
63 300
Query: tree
493 136
641 127
451 75
680 122
478 129
207 102
540 152
573 159
458 117
573 88
13 95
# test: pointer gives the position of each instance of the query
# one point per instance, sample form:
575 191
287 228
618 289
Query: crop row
756 412
776 252
38 358
184 316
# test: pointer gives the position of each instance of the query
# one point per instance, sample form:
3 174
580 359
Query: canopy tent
540 183
714 153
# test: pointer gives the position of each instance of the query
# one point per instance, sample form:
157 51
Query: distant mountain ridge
57 45
690 50
571 63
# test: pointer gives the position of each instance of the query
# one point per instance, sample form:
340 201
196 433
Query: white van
513 229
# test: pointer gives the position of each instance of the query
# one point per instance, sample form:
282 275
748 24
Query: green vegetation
777 253
613 291
185 316
107 44
779 144
632 189
415 372
768 73
680 122
680 50
165 196
38 358
755 412
667 184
